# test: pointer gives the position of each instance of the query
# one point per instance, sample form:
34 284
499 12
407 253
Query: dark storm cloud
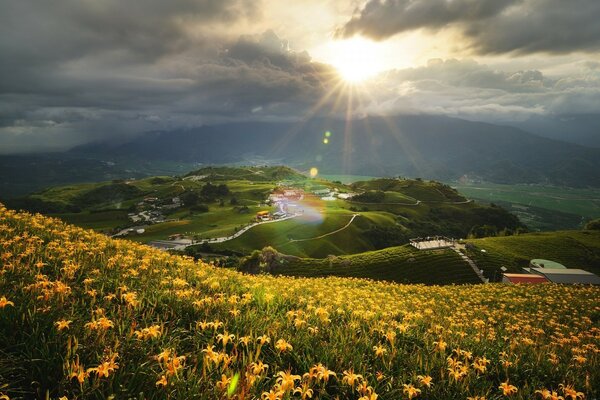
73 71
471 90
490 26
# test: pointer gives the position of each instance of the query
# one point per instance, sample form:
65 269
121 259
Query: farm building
523 278
564 275
541 263
263 216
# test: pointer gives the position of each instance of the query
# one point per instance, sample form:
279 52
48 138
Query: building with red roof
523 278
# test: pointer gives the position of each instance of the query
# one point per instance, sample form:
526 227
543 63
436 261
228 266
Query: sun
356 59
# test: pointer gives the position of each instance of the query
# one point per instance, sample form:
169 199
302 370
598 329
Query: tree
189 198
593 225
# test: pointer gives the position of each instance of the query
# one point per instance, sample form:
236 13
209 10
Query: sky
78 71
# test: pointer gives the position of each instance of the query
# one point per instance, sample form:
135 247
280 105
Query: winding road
237 234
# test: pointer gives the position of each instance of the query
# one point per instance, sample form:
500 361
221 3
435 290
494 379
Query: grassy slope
278 234
399 264
574 249
338 322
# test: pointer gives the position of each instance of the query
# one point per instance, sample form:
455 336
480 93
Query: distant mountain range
426 146
583 129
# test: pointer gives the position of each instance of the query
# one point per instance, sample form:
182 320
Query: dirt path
328 234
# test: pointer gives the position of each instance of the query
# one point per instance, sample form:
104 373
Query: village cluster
151 209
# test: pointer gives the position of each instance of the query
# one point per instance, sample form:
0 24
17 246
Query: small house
523 278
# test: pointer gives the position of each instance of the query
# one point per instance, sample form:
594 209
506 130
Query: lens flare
325 141
314 172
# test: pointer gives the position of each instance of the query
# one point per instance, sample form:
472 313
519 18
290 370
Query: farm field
582 202
85 316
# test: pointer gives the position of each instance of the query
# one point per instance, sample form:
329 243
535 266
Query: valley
213 203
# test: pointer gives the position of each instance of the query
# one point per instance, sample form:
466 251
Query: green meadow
582 202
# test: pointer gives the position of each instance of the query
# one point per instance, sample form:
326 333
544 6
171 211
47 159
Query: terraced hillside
403 264
84 316
574 249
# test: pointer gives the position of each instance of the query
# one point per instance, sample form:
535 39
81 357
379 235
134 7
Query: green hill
216 202
573 249
403 264
254 174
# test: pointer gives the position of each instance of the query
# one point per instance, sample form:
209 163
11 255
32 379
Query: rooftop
541 263
564 275
524 278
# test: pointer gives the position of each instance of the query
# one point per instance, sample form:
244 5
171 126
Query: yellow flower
164 355
570 392
425 380
549 395
286 380
282 345
152 332
223 383
162 381
579 359
263 339
258 368
369 396
507 389
105 368
100 323
411 391
440 346
245 340
272 395
379 351
305 392
350 378
4 302
225 338
62 324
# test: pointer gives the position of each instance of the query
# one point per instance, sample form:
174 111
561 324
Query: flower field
84 316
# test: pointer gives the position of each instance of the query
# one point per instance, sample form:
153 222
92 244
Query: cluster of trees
372 196
261 261
386 236
208 194
593 225
35 205
210 191
112 193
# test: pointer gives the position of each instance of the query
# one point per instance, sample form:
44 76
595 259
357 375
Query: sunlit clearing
313 172
356 59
